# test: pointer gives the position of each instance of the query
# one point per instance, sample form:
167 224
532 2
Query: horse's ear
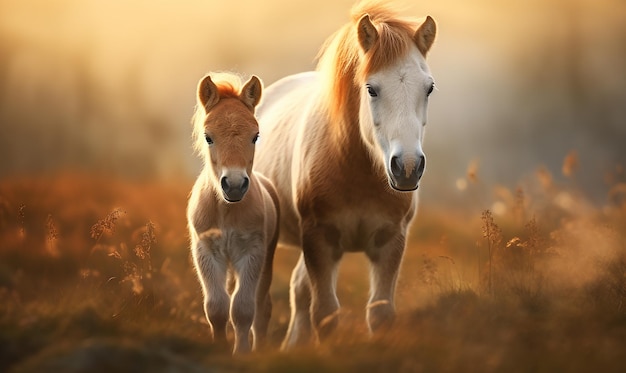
425 35
368 35
251 92
207 93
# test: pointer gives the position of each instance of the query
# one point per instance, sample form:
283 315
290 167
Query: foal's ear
425 35
251 92
207 93
368 35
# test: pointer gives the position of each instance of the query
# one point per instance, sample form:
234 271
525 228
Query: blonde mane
228 86
345 67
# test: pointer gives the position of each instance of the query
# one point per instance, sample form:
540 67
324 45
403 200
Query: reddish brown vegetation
97 266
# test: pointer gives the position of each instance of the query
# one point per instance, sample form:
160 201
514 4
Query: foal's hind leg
385 264
299 331
263 299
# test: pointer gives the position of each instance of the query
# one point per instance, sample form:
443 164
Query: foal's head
226 131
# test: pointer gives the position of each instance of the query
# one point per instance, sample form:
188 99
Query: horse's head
395 87
227 133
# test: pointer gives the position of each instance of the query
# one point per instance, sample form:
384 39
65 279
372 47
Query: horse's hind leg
299 331
385 264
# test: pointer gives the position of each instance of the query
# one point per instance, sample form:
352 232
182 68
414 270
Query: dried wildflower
107 224
534 242
115 254
515 241
21 215
472 171
570 164
428 272
545 178
493 234
52 234
148 238
519 208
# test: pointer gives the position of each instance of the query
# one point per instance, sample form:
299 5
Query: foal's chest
232 244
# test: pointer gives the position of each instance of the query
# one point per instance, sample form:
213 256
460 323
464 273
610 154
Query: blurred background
108 87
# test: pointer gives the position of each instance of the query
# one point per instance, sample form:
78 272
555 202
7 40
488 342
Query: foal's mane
228 86
344 66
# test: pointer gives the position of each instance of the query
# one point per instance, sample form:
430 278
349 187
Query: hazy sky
110 85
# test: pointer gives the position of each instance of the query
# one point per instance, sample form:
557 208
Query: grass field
95 275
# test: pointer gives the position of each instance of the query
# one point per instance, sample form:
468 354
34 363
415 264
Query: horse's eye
255 138
430 90
371 91
208 139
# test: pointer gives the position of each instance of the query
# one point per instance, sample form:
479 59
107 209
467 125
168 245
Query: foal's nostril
225 184
234 188
396 166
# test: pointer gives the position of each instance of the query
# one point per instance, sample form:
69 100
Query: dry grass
95 276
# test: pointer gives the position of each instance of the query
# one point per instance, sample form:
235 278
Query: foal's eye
208 139
371 91
255 138
430 90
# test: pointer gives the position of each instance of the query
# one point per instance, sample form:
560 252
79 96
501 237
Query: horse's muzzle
405 175
234 188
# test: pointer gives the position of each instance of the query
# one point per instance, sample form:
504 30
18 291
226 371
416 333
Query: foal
233 212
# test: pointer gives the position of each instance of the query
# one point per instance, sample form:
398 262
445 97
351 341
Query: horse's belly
290 228
352 232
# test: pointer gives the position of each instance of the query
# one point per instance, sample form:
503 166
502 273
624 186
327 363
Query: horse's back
280 117
287 86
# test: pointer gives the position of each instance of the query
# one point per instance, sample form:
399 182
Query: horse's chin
405 190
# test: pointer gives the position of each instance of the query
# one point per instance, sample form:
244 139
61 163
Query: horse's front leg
321 257
247 270
385 264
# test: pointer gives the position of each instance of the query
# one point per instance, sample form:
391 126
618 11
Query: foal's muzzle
405 173
234 186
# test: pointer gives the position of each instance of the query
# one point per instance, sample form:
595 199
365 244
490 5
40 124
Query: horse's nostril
396 166
420 167
245 185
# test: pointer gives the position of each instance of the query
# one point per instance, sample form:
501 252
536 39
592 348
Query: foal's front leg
243 307
211 268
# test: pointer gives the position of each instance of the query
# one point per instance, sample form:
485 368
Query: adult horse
343 146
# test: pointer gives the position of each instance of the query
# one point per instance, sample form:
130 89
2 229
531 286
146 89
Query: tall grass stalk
493 235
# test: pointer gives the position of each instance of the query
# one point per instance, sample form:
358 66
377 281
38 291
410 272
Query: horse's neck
346 126
348 132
